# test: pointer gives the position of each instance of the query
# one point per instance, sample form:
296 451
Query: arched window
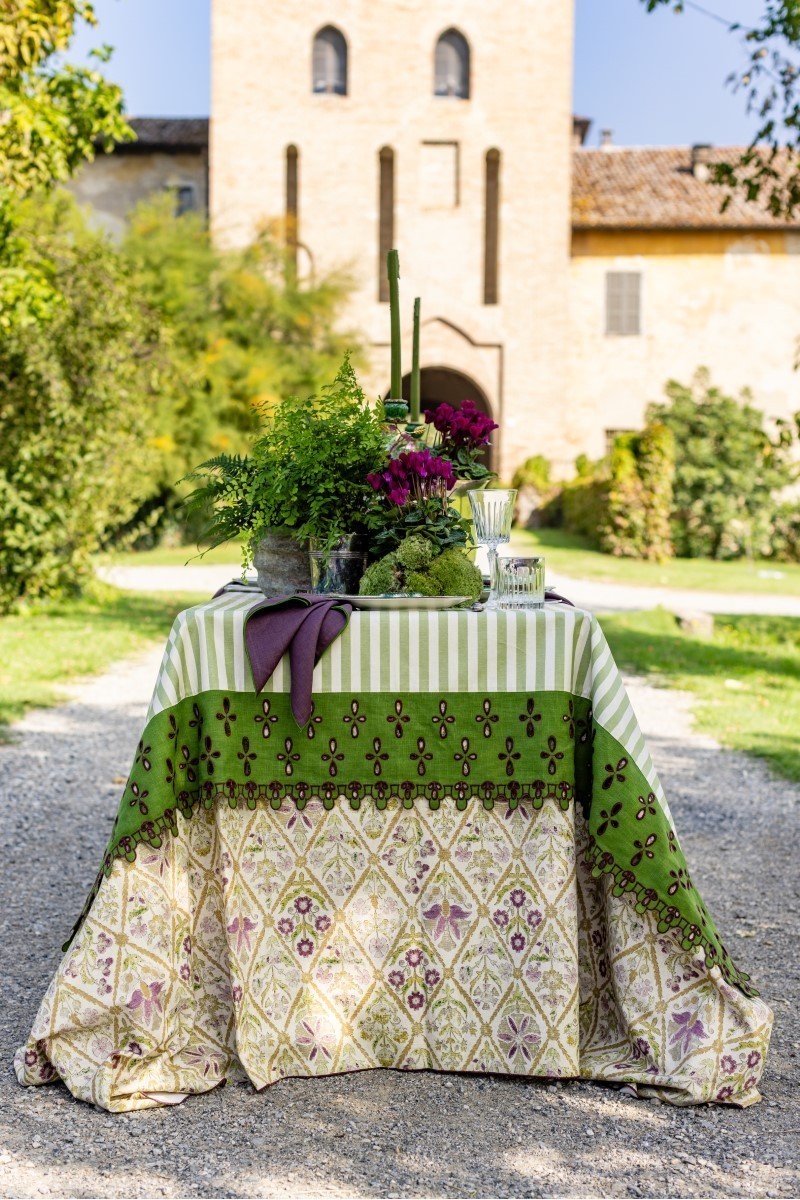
452 65
329 62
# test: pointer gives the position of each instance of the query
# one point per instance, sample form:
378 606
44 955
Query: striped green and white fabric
554 649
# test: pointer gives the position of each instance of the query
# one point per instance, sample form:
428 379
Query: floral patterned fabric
285 941
241 749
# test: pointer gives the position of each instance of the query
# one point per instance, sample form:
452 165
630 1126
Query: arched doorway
442 385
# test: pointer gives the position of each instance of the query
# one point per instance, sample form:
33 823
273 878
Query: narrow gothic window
452 65
491 229
623 303
292 188
329 62
385 218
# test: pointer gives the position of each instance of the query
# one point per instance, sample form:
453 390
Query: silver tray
404 603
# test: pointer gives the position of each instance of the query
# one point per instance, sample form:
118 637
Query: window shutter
623 303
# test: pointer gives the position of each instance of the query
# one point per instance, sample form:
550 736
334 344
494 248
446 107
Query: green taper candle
393 271
415 365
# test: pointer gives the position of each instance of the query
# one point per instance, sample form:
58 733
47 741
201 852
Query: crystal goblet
492 514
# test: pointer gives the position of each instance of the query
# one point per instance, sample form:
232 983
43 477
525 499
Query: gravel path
386 1133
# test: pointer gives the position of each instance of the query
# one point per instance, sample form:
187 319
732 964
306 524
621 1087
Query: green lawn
54 643
572 556
746 679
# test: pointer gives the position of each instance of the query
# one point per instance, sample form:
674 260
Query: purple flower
519 1036
728 1064
500 918
517 897
432 977
322 924
396 979
30 1058
464 428
517 942
305 947
303 904
147 997
135 1049
414 958
724 1093
185 973
237 994
241 928
285 926
640 1048
534 918
414 474
416 1000
447 917
689 1028
753 1058
187 945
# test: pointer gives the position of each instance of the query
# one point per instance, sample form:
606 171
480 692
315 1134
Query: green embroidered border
508 748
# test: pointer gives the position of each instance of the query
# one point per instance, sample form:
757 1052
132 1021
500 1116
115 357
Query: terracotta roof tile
655 188
175 133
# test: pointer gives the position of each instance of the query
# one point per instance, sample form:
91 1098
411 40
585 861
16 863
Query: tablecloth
465 861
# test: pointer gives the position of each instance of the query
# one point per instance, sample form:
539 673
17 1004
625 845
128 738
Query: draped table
464 861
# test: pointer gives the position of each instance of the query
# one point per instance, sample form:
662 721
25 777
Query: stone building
561 286
168 154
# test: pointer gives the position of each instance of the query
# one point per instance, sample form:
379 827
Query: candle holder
395 410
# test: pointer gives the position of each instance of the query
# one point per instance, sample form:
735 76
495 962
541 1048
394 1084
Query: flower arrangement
463 433
411 497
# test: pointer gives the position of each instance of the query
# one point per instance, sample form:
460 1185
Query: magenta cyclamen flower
415 473
461 428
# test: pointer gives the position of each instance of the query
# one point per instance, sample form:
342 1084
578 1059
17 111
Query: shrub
77 390
785 533
728 470
639 496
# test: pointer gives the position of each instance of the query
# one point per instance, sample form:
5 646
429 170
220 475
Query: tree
53 115
242 332
77 389
729 471
769 168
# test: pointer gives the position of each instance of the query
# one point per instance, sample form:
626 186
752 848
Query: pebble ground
387 1133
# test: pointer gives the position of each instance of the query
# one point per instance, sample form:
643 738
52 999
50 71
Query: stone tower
442 127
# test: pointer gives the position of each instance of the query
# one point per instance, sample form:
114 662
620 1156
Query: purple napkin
551 595
302 625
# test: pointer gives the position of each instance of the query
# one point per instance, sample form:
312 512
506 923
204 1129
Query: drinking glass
520 583
492 514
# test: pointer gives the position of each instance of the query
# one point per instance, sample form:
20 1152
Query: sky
653 79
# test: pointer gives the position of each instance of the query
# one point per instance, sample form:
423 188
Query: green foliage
443 526
768 170
785 533
313 462
76 392
639 497
53 113
243 332
535 473
584 503
727 470
448 573
306 473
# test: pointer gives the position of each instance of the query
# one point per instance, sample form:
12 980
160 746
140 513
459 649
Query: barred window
329 62
491 229
452 65
623 303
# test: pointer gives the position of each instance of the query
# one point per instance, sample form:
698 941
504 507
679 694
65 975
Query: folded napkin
302 625
557 598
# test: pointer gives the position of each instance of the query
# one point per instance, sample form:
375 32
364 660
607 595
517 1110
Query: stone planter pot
338 571
282 564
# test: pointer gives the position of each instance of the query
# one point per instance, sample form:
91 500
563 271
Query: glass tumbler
492 515
520 583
